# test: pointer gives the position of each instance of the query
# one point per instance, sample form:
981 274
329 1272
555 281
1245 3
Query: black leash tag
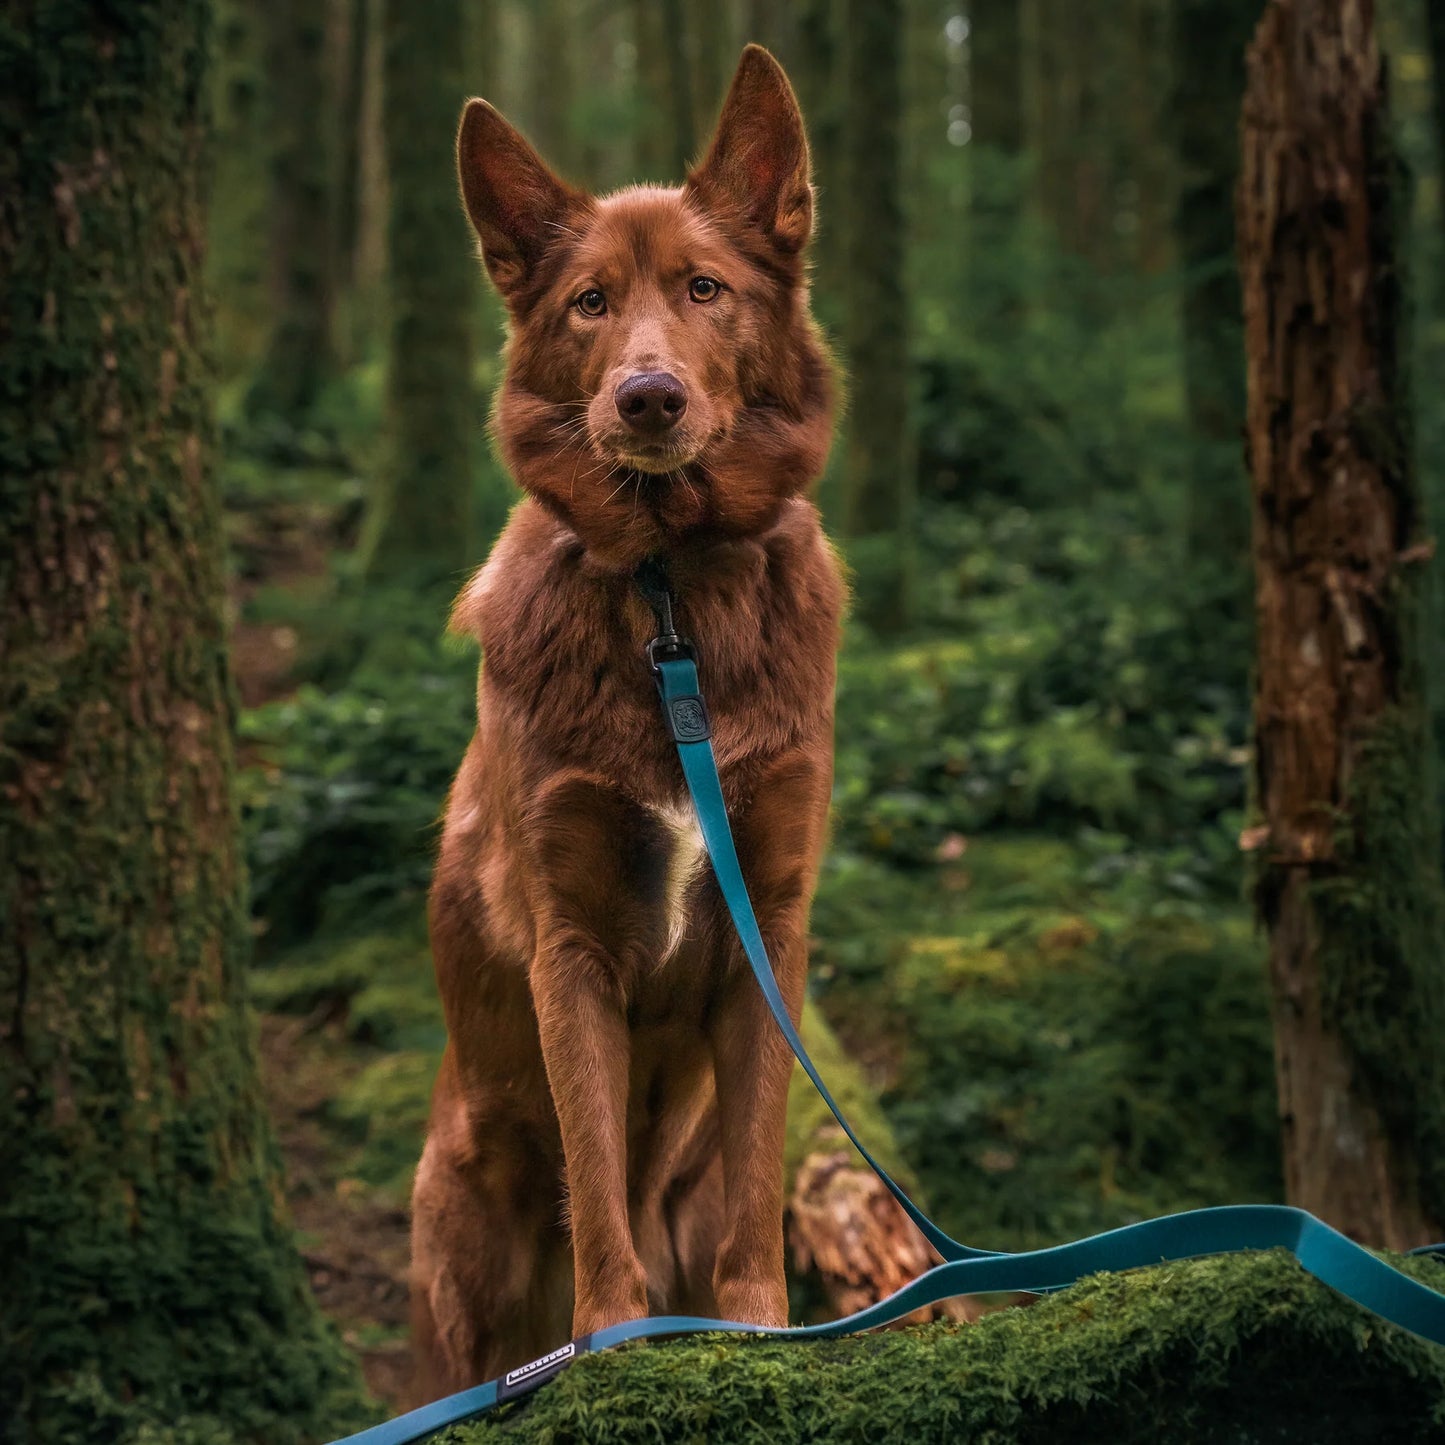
537 1372
687 719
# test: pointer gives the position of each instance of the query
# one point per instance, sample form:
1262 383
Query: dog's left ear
758 159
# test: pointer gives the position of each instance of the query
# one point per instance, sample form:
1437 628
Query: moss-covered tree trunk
1349 881
150 1277
1210 37
421 525
300 354
877 487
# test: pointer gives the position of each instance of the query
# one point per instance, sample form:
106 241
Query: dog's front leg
780 836
586 1048
592 862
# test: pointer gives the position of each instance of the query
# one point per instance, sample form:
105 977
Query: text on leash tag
528 1376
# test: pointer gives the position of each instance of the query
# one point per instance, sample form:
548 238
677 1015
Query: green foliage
341 814
1241 1350
1066 1058
1382 925
1062 680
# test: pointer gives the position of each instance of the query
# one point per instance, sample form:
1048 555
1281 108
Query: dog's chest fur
686 858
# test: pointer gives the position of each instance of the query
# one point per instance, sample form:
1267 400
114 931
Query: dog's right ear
516 204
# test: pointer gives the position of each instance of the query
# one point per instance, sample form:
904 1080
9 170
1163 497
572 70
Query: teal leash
1327 1254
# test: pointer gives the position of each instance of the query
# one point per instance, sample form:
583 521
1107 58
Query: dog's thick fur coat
606 1131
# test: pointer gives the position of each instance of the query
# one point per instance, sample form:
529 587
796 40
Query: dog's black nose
651 402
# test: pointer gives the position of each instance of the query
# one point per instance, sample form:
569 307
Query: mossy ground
1245 1350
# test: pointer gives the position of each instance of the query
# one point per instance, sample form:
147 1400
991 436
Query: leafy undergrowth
1241 1350
1055 1055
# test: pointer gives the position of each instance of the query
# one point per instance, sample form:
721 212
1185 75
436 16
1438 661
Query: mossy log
1242 1349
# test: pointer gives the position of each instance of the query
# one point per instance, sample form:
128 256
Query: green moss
811 1126
1382 940
1241 1349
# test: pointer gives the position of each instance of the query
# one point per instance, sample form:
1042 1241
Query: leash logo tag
688 719
527 1377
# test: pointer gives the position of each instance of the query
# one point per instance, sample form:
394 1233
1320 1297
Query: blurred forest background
1036 963
1032 933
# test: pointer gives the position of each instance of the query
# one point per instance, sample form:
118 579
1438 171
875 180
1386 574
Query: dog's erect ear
758 159
516 204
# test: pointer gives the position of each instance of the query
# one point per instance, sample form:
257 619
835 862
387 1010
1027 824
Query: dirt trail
354 1244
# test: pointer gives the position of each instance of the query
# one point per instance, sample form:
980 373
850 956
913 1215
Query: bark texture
1210 38
1349 883
877 488
421 526
843 1223
151 1282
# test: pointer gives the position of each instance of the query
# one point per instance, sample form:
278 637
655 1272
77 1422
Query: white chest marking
685 853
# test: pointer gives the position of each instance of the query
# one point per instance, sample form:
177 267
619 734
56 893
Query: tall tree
420 528
877 486
1435 32
1210 37
345 230
1349 880
666 141
995 73
554 82
151 1277
814 65
300 355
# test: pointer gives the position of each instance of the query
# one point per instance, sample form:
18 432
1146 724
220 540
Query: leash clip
669 647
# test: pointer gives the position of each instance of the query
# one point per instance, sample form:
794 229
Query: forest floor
354 1238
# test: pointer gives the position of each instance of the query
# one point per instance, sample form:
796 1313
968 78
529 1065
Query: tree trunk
346 231
877 489
1349 881
554 83
420 529
679 102
300 356
1435 38
151 1277
714 54
995 74
814 71
1209 45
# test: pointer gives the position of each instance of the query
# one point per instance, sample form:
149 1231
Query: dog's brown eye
704 288
592 303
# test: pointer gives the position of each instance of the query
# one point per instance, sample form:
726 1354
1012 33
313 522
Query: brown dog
606 1132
